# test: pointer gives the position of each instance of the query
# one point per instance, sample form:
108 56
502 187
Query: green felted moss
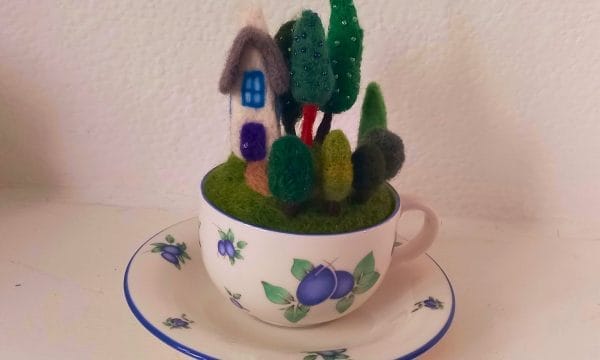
291 110
226 189
290 170
369 171
311 76
391 146
345 44
336 166
373 114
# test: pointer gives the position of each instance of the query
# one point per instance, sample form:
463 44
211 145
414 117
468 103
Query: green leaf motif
365 266
185 255
232 260
310 357
222 234
238 255
230 235
344 303
182 246
342 356
241 244
296 313
300 268
170 239
157 249
277 295
237 296
366 282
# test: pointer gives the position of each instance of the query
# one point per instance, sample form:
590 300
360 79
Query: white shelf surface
527 290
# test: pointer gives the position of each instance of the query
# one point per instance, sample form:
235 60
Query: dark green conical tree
368 164
373 114
291 110
345 44
311 76
290 172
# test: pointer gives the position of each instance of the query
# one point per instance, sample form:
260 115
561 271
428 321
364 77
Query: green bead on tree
373 114
345 45
311 76
336 168
290 172
291 110
368 164
391 146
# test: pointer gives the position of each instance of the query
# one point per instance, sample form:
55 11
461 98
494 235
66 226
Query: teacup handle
419 244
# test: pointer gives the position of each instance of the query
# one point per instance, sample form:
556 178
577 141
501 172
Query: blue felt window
253 89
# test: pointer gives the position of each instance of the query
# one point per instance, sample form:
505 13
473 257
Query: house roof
275 67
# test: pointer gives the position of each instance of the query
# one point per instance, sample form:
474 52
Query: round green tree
369 171
311 76
336 168
373 114
391 146
290 172
345 44
291 110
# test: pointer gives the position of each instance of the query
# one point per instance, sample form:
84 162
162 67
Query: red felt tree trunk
309 113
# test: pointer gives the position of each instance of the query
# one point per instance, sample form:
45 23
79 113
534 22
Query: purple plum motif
235 299
327 355
174 253
317 284
229 247
430 303
178 323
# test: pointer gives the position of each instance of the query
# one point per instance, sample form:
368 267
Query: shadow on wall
468 150
25 139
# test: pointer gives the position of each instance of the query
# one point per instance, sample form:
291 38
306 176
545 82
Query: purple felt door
253 141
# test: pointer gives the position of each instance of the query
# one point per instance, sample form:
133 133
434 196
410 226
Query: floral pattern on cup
174 253
178 323
320 283
229 247
327 355
431 303
235 299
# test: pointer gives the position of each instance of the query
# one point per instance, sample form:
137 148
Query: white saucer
408 315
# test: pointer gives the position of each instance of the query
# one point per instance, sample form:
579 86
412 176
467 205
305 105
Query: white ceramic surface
298 279
408 315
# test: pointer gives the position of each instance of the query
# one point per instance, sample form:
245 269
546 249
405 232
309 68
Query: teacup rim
390 217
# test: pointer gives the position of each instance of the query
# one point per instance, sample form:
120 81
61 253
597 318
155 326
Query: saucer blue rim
198 355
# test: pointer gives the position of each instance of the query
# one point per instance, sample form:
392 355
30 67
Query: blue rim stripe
198 355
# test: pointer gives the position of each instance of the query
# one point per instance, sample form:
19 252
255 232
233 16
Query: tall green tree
290 172
336 168
345 44
291 110
373 114
311 76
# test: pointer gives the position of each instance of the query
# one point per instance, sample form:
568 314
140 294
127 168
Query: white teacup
303 279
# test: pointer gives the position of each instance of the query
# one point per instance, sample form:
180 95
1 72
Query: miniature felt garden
311 183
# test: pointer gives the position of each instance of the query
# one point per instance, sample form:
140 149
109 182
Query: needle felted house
255 74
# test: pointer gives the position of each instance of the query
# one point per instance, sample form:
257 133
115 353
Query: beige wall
117 102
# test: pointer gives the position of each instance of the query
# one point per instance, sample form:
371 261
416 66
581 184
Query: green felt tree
391 146
345 44
311 76
373 114
290 172
336 168
368 164
291 110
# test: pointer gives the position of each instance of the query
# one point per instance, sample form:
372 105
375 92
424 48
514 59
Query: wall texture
497 101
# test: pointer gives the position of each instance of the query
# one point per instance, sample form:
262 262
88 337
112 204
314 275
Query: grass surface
225 188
